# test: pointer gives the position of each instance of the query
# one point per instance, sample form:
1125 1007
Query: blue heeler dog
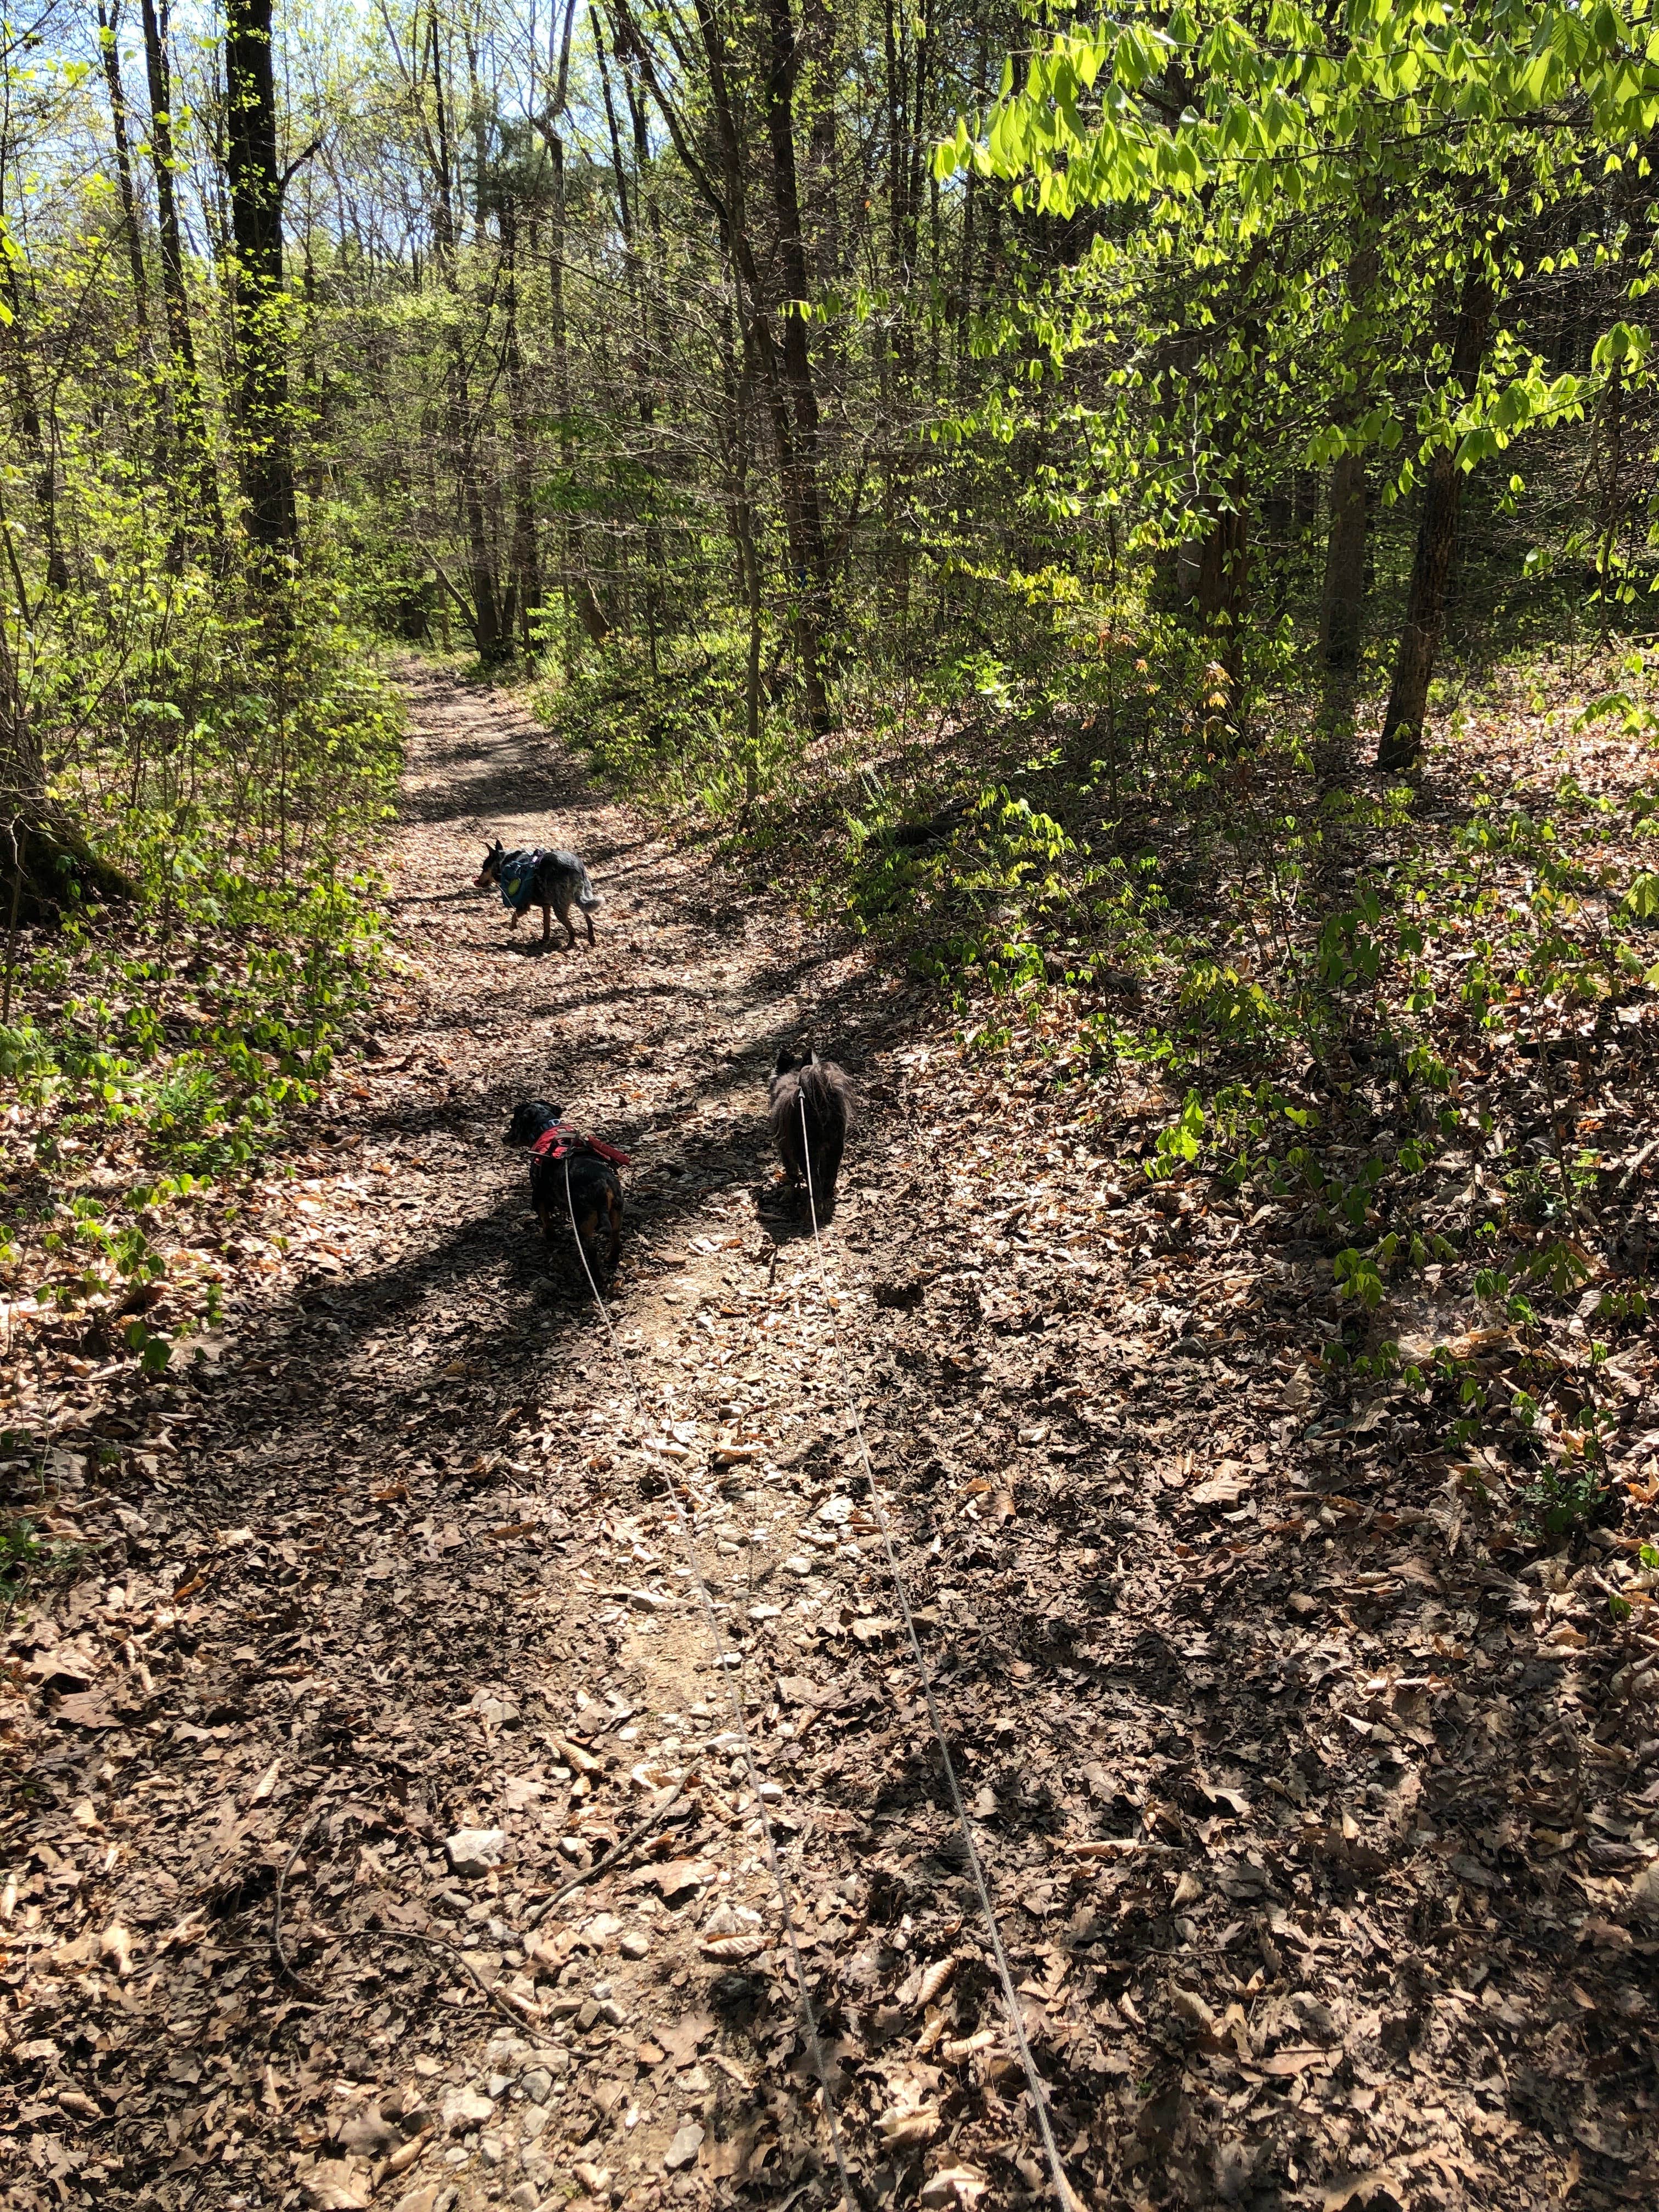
553 881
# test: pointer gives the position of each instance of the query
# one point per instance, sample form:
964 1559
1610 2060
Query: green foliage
670 721
20 1554
27 1558
233 756
1179 1144
1566 1500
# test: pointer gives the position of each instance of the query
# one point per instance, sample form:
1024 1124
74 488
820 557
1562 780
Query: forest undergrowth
158 1043
1412 1022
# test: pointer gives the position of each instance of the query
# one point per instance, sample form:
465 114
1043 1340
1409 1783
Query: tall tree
199 514
109 32
802 482
256 184
1436 539
1342 604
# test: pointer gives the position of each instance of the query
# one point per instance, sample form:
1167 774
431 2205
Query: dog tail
587 898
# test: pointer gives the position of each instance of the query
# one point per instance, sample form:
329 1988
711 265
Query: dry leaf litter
1324 1846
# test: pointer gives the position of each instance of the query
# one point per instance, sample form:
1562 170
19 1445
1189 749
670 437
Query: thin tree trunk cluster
651 343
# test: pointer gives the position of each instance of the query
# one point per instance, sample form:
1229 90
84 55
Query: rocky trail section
1323 1844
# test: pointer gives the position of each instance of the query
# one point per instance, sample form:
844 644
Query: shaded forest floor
1322 1842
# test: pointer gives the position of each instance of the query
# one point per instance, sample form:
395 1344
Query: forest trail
1258 1756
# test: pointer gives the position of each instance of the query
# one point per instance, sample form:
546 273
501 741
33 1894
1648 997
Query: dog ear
785 1064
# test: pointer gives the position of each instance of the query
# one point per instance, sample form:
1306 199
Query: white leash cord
1063 2189
809 2016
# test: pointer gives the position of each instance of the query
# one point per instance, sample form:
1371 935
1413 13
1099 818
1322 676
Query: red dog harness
559 1143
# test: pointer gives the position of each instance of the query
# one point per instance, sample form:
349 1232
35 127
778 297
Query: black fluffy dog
593 1193
822 1089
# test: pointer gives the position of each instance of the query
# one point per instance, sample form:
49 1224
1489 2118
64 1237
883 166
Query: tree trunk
906 53
800 486
1342 615
579 585
725 191
108 41
1436 541
202 516
484 612
526 566
741 381
1341 618
29 424
1613 490
656 559
1221 592
256 222
46 863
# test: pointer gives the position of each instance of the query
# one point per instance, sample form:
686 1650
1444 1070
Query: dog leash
809 2015
1063 2190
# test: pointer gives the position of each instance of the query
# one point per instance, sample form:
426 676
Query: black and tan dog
553 881
572 1177
810 1112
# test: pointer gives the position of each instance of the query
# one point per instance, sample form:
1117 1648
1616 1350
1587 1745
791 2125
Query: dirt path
1259 1747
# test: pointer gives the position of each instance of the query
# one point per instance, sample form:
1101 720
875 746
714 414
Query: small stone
464 2109
498 2085
420 2200
588 2013
537 2084
474 1851
798 1564
686 2144
611 2011
635 1944
534 2121
491 2149
525 2198
595 2179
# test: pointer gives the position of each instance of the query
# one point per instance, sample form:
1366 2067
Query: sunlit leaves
1295 108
